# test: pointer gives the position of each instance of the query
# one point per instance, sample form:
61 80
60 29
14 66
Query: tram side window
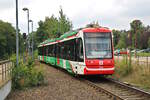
62 52
39 53
50 50
58 50
53 50
45 49
67 50
71 50
79 51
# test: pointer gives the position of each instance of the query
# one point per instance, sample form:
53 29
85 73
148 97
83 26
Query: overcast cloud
115 14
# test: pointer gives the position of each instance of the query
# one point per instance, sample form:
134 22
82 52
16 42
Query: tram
87 51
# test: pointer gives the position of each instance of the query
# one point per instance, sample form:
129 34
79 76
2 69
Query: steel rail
133 91
129 87
102 90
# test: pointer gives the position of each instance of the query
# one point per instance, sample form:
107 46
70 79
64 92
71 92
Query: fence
5 71
142 62
139 60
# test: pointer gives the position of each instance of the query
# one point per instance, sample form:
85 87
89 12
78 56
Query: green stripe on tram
61 63
44 58
68 67
51 60
54 61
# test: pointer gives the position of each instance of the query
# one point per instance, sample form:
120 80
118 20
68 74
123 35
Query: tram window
46 51
58 50
67 50
53 50
39 53
61 51
71 50
40 50
79 51
50 50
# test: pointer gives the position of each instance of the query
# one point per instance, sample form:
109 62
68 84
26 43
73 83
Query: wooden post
138 60
130 59
147 61
126 59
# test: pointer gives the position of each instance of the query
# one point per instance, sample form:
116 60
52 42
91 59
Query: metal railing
139 63
138 60
5 71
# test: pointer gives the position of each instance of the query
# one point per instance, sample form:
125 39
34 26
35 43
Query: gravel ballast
60 86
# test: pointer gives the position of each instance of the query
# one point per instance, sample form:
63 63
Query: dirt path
61 86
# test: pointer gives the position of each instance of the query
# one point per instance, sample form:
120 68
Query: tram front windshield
98 45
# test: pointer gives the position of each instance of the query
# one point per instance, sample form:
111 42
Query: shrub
25 76
19 77
123 69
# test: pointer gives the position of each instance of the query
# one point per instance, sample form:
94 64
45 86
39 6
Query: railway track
115 90
111 89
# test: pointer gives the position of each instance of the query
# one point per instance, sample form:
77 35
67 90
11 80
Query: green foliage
116 36
53 27
136 37
36 54
27 76
7 38
137 29
122 69
64 22
149 42
143 54
122 41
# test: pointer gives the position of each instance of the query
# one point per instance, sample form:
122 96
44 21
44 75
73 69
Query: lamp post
17 43
32 38
26 9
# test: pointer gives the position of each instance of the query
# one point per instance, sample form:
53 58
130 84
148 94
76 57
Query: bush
123 69
26 76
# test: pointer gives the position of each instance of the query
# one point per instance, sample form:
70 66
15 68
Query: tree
116 37
136 30
64 22
53 27
41 34
122 41
149 42
7 39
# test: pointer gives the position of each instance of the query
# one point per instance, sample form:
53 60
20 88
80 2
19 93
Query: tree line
8 40
137 37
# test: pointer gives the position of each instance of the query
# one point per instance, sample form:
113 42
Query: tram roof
66 35
71 33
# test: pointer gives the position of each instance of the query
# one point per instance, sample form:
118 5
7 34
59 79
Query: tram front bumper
102 71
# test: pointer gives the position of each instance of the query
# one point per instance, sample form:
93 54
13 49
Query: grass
143 54
138 75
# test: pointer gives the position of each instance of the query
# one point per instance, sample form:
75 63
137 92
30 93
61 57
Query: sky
115 14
